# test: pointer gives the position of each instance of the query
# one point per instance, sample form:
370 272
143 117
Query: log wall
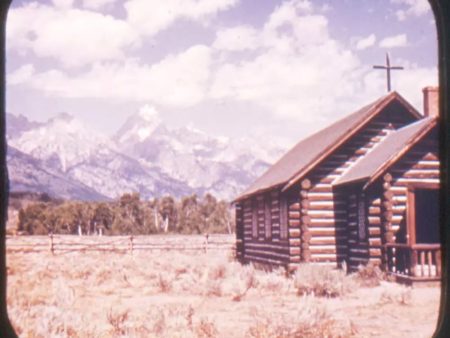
270 248
316 214
387 202
418 166
328 206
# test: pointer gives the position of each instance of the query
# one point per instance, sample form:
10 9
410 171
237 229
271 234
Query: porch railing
417 261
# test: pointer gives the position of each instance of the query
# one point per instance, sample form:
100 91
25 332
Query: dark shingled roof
393 146
320 144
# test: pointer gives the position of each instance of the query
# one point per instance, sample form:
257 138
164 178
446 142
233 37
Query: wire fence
58 244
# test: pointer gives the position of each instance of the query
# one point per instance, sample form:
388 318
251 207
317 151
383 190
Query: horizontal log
374 242
294 207
294 214
294 223
275 261
330 240
327 222
374 210
374 252
374 231
326 232
294 251
327 214
374 220
322 187
295 233
306 219
405 182
294 242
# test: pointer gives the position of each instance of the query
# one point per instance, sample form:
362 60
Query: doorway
426 205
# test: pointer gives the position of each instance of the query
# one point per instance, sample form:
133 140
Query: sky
278 70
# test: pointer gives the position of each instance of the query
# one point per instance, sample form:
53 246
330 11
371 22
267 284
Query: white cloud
63 3
237 38
412 8
21 75
97 4
152 16
411 81
74 37
295 70
394 41
366 42
300 72
178 80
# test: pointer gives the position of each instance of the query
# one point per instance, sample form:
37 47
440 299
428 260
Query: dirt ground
177 294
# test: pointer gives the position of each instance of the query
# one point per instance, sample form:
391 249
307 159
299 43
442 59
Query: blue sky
274 69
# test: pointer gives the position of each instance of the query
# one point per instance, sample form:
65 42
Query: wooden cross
388 68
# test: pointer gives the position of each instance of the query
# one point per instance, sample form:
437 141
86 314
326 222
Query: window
268 217
362 234
283 218
255 218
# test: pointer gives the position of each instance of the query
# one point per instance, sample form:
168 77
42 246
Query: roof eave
351 182
396 156
376 109
256 192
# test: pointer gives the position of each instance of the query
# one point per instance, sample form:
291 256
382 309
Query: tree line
128 215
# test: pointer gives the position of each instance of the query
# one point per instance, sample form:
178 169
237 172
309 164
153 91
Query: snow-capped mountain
191 156
18 124
62 142
144 155
32 175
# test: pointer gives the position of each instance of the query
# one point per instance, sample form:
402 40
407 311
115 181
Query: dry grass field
203 294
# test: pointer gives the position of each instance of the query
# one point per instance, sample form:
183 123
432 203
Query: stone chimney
431 101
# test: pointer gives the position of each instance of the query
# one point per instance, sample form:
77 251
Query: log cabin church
365 189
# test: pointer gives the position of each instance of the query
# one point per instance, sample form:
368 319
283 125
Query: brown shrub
370 275
163 283
396 295
206 329
321 281
310 321
218 272
117 321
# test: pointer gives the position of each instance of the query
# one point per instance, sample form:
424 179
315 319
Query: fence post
52 250
131 244
205 243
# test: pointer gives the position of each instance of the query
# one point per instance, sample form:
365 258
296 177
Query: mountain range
66 158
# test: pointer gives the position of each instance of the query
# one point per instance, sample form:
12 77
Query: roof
387 152
308 152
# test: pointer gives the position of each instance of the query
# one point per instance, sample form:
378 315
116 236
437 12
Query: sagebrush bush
321 281
164 283
370 275
396 295
309 321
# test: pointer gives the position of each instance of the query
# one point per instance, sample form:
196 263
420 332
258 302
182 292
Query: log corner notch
239 210
386 213
305 236
293 233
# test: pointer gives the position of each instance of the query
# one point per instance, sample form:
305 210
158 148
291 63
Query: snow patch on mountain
144 155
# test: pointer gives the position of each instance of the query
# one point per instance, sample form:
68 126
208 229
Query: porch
411 263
